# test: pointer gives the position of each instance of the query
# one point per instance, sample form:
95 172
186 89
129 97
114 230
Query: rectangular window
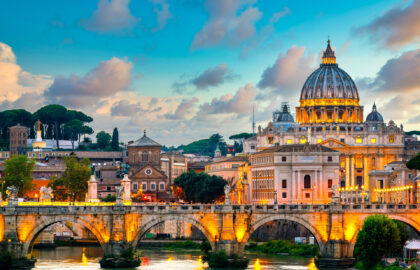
391 139
307 195
108 188
270 140
329 183
358 140
302 141
284 183
283 159
284 195
289 141
133 157
329 194
343 140
135 186
162 186
319 140
373 140
152 186
330 159
144 186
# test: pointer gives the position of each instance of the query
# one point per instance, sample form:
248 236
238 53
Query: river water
79 258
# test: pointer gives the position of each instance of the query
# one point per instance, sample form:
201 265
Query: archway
411 223
162 218
32 236
299 220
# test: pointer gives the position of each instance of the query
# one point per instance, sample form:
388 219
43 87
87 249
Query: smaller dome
374 115
283 115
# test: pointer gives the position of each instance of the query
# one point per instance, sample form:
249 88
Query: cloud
397 27
228 23
400 74
107 79
161 8
183 109
287 75
211 77
240 103
111 16
125 108
14 81
278 15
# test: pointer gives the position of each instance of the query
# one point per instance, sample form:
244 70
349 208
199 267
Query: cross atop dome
328 58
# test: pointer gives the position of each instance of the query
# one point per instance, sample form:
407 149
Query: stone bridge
227 227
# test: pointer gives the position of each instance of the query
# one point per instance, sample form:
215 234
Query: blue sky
186 69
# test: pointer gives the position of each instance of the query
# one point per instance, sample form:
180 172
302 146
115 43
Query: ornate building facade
329 114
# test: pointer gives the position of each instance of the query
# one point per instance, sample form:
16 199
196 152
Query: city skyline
184 70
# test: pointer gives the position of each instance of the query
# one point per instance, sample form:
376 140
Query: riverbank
283 248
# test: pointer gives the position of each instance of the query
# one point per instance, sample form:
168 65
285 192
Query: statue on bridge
227 192
12 192
46 194
335 197
119 193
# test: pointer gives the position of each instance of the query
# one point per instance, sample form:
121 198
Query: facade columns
347 171
291 187
352 170
298 187
366 175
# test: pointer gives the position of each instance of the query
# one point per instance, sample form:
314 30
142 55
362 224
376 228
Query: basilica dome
329 81
374 115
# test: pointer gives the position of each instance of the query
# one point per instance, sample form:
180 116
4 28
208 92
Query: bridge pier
231 247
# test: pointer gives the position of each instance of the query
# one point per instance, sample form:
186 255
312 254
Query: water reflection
77 258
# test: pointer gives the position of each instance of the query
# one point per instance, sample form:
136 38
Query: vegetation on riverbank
283 247
182 245
128 259
381 266
222 260
9 260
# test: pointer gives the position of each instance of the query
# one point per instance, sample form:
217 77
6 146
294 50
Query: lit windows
289 141
391 139
270 140
359 140
373 140
319 140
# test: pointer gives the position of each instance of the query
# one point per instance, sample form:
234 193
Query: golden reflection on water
257 265
84 258
200 264
311 265
170 259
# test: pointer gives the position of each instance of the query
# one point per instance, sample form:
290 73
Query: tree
379 236
59 187
18 172
103 139
53 115
72 129
404 234
109 198
199 187
74 179
115 140
414 163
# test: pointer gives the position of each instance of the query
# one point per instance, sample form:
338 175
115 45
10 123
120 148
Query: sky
186 69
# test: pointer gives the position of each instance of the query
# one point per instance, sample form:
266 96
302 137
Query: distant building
18 139
145 169
173 165
229 169
198 167
301 173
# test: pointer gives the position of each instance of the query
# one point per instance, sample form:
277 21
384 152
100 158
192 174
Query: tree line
58 123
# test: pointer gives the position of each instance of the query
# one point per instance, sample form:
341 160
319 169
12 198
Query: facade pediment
330 142
148 172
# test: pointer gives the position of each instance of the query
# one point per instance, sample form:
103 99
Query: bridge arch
48 221
144 228
260 222
412 223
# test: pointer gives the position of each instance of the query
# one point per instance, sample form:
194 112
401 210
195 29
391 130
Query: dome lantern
328 58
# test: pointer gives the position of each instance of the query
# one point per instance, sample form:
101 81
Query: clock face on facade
148 171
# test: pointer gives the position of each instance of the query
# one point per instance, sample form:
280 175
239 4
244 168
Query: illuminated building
18 138
231 169
145 169
299 173
329 114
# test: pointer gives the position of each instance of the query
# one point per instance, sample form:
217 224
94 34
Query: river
79 258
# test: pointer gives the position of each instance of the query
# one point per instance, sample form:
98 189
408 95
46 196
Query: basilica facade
330 114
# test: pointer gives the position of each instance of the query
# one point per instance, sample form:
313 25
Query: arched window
145 156
307 181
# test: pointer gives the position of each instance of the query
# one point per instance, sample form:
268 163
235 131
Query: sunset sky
186 69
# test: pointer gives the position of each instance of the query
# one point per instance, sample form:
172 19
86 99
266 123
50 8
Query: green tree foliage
54 117
109 198
115 140
60 189
11 118
413 132
103 139
379 236
404 234
206 146
241 136
74 179
18 172
200 187
414 163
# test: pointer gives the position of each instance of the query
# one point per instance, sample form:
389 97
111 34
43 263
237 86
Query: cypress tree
115 140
